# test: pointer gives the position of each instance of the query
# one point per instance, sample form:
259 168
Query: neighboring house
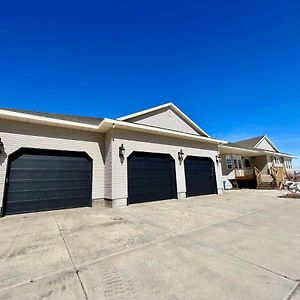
52 161
255 162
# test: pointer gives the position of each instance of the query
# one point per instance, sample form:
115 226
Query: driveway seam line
293 291
211 225
244 260
208 226
80 266
226 221
124 252
71 258
159 241
184 235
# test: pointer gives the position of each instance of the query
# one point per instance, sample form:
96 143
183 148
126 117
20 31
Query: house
52 161
255 162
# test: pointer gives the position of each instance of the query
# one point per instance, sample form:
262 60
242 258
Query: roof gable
266 144
249 143
260 142
166 116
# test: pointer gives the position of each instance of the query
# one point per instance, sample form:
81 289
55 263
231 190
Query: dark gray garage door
45 180
151 177
200 176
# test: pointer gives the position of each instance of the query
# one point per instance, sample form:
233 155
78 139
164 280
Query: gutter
165 132
23 117
258 151
239 149
103 126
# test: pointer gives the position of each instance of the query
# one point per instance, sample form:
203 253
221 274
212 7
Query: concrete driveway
240 245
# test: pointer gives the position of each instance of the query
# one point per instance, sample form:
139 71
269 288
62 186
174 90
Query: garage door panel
149 197
22 185
32 195
48 180
32 173
45 205
28 195
151 177
55 162
200 176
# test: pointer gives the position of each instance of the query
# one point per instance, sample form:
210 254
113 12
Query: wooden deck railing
279 175
257 174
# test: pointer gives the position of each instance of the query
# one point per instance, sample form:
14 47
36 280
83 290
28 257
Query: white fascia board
104 126
272 144
259 141
143 112
241 150
258 152
28 118
279 154
169 104
160 131
190 121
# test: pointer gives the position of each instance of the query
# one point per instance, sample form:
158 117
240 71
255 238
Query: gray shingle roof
249 143
71 118
238 146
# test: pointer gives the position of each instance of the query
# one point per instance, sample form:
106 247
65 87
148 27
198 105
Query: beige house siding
165 118
134 141
233 173
15 135
228 173
261 163
265 145
108 166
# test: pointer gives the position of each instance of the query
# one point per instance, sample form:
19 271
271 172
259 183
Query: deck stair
274 180
267 182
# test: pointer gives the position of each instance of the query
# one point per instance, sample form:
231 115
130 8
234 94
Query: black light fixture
218 158
121 151
1 147
180 155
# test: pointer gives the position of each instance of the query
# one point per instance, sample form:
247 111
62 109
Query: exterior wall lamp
218 159
122 151
1 147
180 155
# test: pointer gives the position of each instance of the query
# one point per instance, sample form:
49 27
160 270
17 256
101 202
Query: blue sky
232 66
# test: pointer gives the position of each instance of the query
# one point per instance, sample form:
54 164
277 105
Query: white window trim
237 162
240 162
288 164
276 160
229 157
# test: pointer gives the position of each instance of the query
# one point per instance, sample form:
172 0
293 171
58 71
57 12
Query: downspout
112 131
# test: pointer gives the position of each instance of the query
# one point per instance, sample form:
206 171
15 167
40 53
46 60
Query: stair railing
257 175
279 175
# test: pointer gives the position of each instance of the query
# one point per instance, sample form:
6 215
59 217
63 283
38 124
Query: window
276 160
235 163
247 163
240 165
288 164
229 161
